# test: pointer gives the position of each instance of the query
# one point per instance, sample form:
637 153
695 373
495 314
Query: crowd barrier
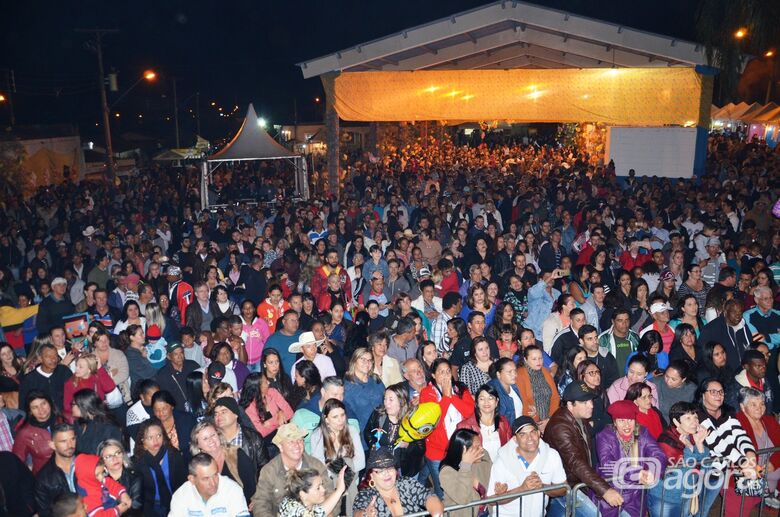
701 468
474 507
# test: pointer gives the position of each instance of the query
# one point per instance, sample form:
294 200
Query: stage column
332 129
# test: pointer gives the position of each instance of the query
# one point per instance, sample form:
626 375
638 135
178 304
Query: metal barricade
704 467
474 506
725 490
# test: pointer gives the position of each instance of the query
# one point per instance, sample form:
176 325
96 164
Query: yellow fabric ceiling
627 96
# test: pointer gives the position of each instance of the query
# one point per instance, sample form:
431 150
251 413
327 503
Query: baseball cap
713 241
215 373
659 307
666 275
173 270
424 271
578 392
288 432
521 422
59 280
173 345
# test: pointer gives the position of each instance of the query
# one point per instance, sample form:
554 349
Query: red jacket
101 499
437 442
449 284
628 262
101 383
771 426
184 295
271 314
33 441
319 282
504 431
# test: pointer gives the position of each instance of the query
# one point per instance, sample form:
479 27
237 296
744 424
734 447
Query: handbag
750 487
114 398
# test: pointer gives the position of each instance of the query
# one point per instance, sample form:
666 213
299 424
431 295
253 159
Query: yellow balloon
418 424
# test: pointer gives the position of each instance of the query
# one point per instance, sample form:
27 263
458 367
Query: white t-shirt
509 469
227 502
517 402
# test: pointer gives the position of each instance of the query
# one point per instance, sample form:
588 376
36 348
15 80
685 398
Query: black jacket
18 486
49 483
90 434
133 481
175 382
254 446
54 385
735 343
177 471
50 313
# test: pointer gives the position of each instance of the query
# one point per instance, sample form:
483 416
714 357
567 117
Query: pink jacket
255 336
274 402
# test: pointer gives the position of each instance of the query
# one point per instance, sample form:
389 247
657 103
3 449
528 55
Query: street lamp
769 53
741 33
148 75
261 122
2 97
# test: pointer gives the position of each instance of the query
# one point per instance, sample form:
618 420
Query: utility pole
176 112
11 80
197 112
99 33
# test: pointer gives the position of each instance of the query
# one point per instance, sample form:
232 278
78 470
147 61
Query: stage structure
253 143
518 62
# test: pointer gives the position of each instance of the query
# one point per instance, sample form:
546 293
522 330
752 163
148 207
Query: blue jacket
361 398
767 324
540 305
506 407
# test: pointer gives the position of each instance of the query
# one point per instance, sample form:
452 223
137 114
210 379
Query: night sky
232 52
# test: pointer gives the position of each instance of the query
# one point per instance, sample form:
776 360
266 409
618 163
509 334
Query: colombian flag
19 325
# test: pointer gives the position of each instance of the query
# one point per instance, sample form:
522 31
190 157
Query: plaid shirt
237 440
6 438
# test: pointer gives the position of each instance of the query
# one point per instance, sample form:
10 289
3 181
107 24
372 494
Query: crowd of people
162 359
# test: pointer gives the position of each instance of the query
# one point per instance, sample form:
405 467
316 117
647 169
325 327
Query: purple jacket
609 452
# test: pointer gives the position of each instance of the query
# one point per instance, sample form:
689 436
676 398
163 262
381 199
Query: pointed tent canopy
251 143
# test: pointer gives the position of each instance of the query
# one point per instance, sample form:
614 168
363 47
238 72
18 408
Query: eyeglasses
716 392
117 454
593 373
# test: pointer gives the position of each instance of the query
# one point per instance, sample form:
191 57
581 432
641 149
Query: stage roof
508 35
251 143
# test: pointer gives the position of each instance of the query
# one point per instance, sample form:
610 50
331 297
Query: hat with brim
381 458
288 432
523 421
173 346
578 392
658 307
88 231
215 373
306 338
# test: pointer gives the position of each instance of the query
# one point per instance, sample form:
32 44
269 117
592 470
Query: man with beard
319 283
57 476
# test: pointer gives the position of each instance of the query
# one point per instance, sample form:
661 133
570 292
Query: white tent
253 143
